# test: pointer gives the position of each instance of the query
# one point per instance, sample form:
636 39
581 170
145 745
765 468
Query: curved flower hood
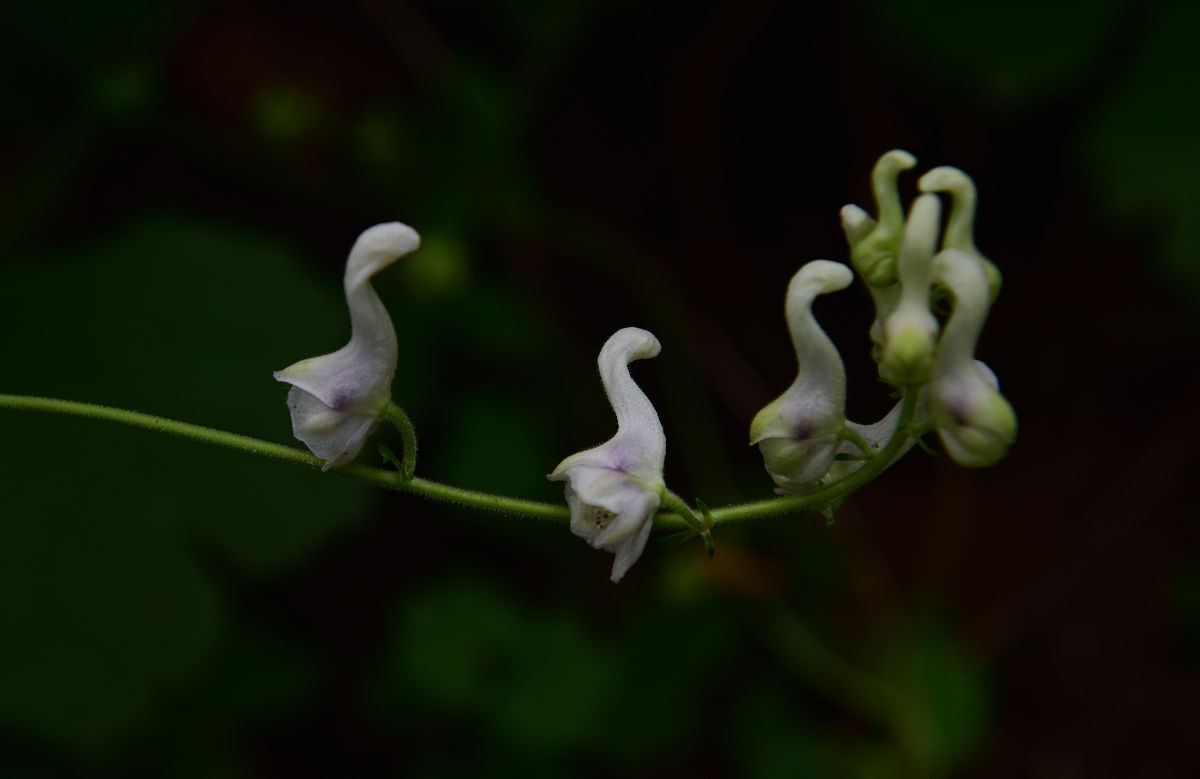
960 226
798 432
337 399
614 489
974 421
875 245
910 332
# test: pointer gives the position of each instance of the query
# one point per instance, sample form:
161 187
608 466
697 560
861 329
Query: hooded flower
960 226
615 489
875 245
337 399
974 421
798 432
910 332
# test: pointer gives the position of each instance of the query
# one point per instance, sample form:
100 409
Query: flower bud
874 254
974 421
960 226
910 333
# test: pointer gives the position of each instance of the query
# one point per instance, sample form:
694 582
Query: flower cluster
802 432
614 490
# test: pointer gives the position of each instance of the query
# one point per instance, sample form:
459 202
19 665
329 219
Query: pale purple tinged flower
614 489
798 432
336 400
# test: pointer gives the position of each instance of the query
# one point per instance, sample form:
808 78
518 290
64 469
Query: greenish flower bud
798 432
960 226
874 254
910 333
974 421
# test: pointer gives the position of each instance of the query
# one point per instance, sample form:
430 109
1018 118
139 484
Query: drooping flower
798 432
910 332
336 400
974 421
614 489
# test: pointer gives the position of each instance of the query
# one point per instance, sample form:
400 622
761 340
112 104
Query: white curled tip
960 226
797 433
378 247
910 332
336 399
975 422
613 490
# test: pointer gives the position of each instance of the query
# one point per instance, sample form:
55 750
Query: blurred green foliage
104 595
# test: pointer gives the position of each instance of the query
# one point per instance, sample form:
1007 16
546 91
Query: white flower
798 432
615 489
974 421
336 400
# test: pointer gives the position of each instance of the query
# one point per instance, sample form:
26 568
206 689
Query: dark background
179 186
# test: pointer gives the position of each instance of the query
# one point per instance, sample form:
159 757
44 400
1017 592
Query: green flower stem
378 476
400 419
483 500
857 440
403 480
161 425
683 512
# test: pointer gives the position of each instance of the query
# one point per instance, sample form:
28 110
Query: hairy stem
405 481
408 433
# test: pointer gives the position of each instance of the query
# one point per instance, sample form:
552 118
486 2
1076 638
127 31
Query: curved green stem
683 510
378 476
408 433
679 515
854 438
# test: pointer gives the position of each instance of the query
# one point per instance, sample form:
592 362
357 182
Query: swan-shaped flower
614 489
798 433
337 400
960 225
910 332
875 245
974 421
